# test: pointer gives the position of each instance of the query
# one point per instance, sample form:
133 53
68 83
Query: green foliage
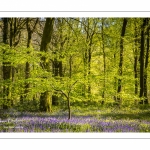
70 45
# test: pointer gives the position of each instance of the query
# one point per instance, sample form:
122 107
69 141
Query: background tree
136 57
121 59
45 98
146 61
6 67
30 30
144 22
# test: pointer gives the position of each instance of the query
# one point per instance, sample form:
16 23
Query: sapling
67 95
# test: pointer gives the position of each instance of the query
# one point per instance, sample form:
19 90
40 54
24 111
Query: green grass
129 113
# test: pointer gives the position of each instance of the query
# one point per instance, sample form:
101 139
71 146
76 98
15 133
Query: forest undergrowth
84 119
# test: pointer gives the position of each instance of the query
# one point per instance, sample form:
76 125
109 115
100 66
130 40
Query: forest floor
90 119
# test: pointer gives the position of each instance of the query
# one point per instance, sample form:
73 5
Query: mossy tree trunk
45 98
30 31
6 68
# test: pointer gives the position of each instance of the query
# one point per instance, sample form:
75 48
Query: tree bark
14 39
57 71
69 108
146 63
57 64
104 61
30 31
87 59
45 102
121 60
142 60
136 41
6 68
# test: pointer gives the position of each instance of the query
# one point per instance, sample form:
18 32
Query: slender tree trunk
68 97
142 60
70 66
14 41
28 67
89 57
6 68
84 93
104 61
136 41
146 64
14 38
121 61
11 42
55 73
87 61
69 108
89 70
45 100
115 80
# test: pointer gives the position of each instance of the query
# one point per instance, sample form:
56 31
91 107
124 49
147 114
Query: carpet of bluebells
44 122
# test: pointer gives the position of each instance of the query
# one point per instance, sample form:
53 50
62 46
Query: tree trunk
104 61
69 109
6 69
30 31
87 60
136 41
57 71
115 80
84 93
89 71
121 61
28 67
14 32
142 61
146 64
14 38
57 64
45 102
